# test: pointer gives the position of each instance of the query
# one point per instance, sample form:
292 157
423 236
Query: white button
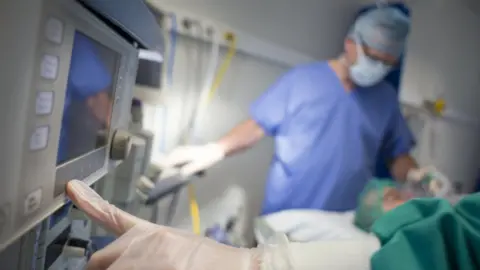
54 30
44 103
33 202
49 68
39 138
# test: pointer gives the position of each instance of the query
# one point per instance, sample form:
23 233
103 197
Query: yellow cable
194 210
232 49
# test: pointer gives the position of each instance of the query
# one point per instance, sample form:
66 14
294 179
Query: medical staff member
329 121
87 105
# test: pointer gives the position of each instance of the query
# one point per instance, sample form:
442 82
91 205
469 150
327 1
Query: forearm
242 137
401 166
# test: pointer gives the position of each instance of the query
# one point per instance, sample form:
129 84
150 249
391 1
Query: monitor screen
88 100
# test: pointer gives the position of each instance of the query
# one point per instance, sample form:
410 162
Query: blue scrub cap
383 29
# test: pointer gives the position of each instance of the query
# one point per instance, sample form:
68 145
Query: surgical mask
366 71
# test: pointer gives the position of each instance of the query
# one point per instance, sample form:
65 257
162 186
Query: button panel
39 138
32 202
49 70
44 103
54 30
49 67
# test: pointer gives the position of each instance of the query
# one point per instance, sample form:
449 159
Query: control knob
121 145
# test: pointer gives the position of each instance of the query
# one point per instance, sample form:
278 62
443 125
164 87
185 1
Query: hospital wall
313 27
442 62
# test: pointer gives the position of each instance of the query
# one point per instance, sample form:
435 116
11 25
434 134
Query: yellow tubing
194 210
232 49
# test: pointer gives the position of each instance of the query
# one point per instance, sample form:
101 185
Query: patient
378 197
306 225
414 233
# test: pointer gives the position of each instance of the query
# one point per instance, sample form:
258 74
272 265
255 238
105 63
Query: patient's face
393 197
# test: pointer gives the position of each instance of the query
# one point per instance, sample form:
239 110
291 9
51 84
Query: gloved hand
146 246
437 184
193 159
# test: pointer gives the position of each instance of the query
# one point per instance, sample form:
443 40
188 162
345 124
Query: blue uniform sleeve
399 139
270 109
88 74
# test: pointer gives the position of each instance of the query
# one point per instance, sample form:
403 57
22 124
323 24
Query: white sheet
308 226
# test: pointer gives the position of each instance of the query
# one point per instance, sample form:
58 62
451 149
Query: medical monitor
89 98
66 93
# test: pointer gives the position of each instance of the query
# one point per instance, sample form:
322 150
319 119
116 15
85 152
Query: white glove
419 174
193 159
146 246
438 184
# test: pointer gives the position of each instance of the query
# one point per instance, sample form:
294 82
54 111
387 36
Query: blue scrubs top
326 139
87 77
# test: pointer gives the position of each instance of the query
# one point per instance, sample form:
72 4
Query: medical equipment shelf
448 115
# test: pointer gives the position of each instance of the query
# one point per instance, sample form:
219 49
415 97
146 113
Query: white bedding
308 225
